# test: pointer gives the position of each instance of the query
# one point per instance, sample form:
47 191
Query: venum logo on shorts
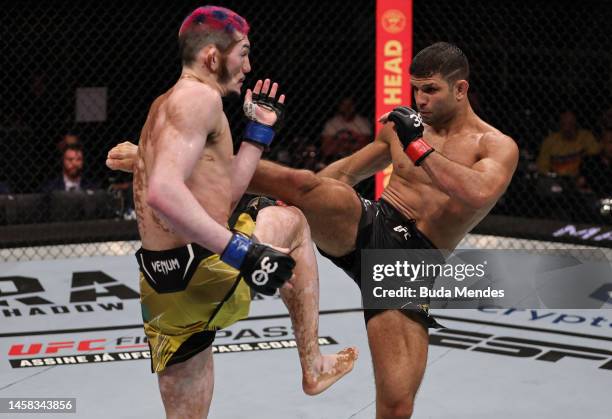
260 276
165 266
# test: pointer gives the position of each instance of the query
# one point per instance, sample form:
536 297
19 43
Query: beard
225 77
439 116
74 173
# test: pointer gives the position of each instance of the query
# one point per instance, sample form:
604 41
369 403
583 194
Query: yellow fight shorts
186 294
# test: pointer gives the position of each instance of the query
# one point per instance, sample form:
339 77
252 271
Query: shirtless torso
209 182
442 218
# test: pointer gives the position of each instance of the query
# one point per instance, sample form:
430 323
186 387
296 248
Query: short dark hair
209 25
446 59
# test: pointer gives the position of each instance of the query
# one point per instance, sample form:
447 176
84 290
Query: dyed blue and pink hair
209 25
214 18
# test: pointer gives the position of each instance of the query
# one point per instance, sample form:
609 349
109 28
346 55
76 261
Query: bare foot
331 369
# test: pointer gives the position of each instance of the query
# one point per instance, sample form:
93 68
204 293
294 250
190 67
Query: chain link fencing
88 72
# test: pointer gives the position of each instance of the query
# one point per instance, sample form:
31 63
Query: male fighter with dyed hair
186 183
449 169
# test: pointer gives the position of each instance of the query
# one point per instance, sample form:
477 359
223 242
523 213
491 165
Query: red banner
393 55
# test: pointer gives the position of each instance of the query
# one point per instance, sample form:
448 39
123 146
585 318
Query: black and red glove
409 128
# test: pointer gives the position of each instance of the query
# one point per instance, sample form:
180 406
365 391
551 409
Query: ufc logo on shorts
418 119
402 229
260 276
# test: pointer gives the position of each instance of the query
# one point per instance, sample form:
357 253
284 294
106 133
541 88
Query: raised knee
290 218
399 408
303 181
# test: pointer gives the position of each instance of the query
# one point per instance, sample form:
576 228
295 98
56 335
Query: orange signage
393 55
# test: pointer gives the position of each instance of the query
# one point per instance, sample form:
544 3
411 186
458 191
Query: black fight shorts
381 226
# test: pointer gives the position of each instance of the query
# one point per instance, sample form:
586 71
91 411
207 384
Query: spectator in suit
71 178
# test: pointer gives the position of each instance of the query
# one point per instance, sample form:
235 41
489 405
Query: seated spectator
71 178
345 133
562 151
596 171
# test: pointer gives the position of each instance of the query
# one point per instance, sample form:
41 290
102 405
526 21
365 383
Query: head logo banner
393 55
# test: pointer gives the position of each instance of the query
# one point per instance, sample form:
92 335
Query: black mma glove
262 267
409 128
